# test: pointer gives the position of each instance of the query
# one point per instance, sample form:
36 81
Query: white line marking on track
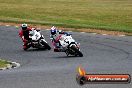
82 32
7 25
104 34
16 64
3 68
122 35
9 66
47 29
94 33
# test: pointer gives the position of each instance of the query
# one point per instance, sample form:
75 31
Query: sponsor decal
84 78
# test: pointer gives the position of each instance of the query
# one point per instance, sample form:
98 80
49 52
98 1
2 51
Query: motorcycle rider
55 37
24 34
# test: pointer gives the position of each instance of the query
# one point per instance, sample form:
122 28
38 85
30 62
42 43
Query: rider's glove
51 38
22 37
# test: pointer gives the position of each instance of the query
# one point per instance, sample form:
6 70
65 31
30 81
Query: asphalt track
47 69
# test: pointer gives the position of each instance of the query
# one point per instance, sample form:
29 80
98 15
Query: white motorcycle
70 46
37 40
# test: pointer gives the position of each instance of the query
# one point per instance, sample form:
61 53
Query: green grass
3 63
100 14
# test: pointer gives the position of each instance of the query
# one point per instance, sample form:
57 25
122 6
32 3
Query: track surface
46 69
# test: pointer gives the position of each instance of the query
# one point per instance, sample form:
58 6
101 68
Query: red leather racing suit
24 34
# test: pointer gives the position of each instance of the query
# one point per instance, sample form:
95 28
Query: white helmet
60 31
24 26
53 30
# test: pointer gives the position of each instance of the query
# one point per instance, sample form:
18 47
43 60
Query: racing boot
26 45
56 50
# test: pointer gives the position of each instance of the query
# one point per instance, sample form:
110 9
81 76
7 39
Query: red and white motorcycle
70 46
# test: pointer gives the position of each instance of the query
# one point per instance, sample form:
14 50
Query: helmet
24 26
53 30
60 31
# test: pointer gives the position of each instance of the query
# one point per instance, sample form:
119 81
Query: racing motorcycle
37 40
70 46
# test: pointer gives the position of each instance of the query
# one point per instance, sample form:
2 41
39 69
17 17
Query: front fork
77 45
42 40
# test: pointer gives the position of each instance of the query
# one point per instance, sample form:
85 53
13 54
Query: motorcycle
70 46
37 40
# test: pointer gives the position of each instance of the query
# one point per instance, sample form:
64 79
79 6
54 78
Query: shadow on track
66 57
32 50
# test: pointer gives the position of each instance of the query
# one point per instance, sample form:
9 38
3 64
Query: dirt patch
98 31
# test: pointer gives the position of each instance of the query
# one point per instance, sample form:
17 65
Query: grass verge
110 15
43 27
3 63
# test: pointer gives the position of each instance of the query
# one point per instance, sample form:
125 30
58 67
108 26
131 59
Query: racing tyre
25 49
46 45
77 51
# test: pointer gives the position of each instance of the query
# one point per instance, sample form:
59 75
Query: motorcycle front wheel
77 51
46 45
